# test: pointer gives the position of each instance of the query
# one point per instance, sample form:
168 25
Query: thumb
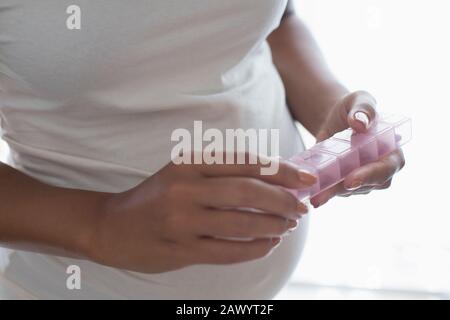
361 111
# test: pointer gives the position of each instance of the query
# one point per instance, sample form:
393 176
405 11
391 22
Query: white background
396 240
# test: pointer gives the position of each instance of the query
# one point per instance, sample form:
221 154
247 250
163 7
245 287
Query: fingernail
318 202
306 178
276 241
292 224
355 185
302 208
362 117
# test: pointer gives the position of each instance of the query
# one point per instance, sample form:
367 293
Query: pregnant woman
87 113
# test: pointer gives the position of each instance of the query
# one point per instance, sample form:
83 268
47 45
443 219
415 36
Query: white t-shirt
95 108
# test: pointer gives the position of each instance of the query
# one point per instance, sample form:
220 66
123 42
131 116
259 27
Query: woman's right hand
187 215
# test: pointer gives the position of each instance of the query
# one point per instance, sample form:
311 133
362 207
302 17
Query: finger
359 186
281 172
363 191
250 193
238 224
367 189
217 251
360 110
340 191
325 196
384 186
376 173
356 110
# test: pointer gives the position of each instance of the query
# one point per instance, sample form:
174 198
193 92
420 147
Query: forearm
311 88
41 218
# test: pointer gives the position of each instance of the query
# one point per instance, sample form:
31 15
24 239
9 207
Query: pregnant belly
45 277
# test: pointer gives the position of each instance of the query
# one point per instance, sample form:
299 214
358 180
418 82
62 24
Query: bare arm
38 217
312 89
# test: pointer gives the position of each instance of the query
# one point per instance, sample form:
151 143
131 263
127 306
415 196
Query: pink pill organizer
333 159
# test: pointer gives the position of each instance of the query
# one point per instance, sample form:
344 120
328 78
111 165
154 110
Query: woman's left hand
358 111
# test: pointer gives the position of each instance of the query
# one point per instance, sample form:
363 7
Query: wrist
89 238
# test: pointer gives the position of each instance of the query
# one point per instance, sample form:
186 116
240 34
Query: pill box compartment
385 135
402 128
347 156
325 167
365 143
333 159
